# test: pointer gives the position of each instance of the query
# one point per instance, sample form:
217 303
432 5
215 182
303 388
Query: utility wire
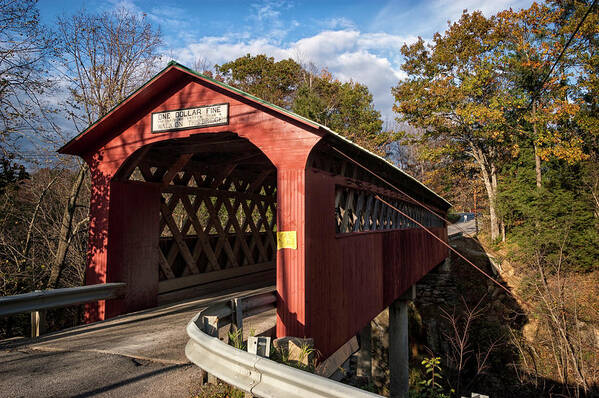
425 228
396 188
545 79
541 89
450 248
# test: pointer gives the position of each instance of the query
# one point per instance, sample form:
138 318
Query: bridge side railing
40 300
253 374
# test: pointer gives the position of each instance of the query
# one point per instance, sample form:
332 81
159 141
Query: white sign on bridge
190 118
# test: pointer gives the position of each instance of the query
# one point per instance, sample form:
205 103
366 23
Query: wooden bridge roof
104 128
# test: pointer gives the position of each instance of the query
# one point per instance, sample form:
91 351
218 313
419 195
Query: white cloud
327 44
385 41
219 50
452 9
125 4
427 17
367 58
266 18
338 23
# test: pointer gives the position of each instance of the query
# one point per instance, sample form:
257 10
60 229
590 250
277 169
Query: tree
10 172
345 107
455 91
531 46
584 56
104 57
275 82
24 50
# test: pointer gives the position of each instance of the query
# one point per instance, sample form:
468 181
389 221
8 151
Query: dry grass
219 390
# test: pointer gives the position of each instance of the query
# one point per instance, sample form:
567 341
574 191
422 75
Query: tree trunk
38 206
494 221
538 168
489 174
537 157
66 229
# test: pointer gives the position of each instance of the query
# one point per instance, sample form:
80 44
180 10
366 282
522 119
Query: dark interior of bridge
217 216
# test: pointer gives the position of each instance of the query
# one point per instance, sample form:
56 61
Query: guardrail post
237 315
38 323
211 327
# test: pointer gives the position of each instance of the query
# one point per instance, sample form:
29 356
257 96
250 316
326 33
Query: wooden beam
368 213
146 173
168 218
249 220
165 266
259 180
183 148
132 163
171 204
166 153
211 168
177 189
175 168
214 219
183 180
211 165
236 160
223 175
200 279
239 232
196 206
349 204
203 239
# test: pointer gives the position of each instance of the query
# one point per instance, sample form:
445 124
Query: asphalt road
467 228
140 355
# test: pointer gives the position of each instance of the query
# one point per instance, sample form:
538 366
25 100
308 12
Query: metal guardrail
45 299
259 376
37 302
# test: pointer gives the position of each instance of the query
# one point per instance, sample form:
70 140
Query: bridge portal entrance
217 223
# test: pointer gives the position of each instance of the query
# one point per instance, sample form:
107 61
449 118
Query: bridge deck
132 355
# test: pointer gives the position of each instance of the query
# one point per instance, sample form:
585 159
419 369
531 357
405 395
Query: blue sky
357 40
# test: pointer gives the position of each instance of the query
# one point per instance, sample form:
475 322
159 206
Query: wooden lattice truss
218 210
357 209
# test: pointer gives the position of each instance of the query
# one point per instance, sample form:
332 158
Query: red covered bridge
197 186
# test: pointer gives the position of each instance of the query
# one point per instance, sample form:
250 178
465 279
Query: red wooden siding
284 142
409 254
350 278
135 215
290 262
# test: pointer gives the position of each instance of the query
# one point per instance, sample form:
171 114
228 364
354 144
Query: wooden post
364 370
133 239
291 265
